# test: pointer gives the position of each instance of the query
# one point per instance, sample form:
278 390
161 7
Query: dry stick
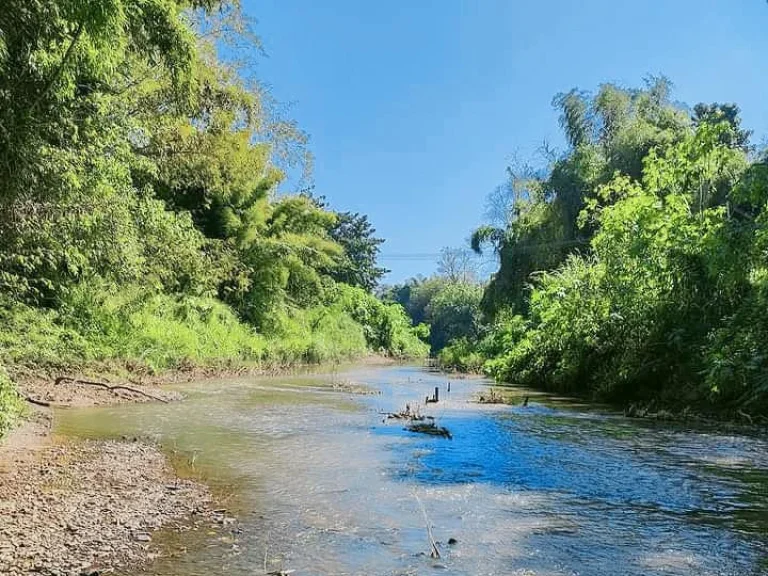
745 415
266 553
61 379
435 553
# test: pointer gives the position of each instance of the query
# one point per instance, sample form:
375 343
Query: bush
10 403
314 336
387 328
97 323
461 355
155 330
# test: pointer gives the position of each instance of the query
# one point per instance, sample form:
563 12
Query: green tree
358 267
454 313
609 132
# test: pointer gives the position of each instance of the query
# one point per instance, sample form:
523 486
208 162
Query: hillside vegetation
633 268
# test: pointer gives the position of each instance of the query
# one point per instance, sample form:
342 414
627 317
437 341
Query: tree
69 209
60 59
358 266
450 308
457 265
414 295
610 131
454 313
727 114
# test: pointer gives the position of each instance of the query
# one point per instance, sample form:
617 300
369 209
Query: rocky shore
74 508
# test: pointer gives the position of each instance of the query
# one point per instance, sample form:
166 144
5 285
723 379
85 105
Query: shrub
10 403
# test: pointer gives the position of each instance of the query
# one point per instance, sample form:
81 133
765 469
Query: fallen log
110 387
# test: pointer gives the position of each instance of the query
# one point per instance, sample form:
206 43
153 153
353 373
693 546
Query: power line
414 256
516 247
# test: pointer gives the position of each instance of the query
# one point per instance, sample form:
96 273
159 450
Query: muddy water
322 484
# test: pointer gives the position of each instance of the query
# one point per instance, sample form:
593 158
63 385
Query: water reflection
323 484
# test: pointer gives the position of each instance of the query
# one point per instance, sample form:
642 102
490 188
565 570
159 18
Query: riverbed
322 483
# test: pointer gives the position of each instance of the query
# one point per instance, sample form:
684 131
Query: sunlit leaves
662 302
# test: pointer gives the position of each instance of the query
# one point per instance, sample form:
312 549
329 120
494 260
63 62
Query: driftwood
410 414
429 428
37 402
110 387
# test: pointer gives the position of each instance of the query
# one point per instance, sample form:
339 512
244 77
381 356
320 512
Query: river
323 484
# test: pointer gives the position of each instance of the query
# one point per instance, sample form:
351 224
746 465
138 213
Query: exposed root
36 402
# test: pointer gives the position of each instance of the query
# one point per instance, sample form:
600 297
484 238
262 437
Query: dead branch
37 402
111 388
408 413
435 553
745 416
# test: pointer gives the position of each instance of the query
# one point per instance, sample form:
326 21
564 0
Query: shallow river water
323 484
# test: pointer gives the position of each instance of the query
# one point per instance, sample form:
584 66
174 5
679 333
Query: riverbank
75 387
72 507
663 409
88 507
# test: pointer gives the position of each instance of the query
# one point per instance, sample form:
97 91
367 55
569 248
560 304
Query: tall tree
608 132
358 266
457 264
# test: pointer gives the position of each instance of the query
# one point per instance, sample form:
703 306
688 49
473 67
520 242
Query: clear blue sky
415 107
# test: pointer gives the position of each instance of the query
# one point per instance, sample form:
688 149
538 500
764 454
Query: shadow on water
324 484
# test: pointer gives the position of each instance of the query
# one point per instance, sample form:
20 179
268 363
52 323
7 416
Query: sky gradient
415 108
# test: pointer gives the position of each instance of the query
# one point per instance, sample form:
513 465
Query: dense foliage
10 403
446 307
139 220
635 269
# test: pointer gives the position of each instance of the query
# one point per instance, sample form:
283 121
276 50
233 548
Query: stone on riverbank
85 507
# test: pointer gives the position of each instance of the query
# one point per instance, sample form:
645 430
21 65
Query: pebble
95 500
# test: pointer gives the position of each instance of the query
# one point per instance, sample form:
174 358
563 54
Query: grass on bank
11 405
132 331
